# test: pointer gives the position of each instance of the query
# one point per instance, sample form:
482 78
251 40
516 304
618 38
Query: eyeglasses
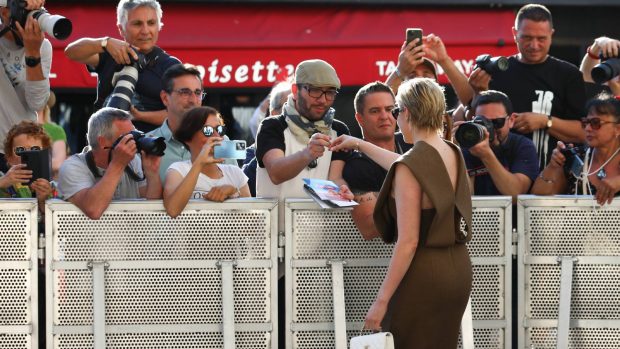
595 123
317 93
19 150
186 92
397 110
208 130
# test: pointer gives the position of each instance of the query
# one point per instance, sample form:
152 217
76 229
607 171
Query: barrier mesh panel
486 338
570 231
322 235
570 228
243 340
594 293
16 283
487 292
15 341
155 236
162 296
578 338
184 293
14 297
331 234
15 236
487 233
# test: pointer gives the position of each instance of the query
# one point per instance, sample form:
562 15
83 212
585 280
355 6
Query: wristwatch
549 122
104 43
32 61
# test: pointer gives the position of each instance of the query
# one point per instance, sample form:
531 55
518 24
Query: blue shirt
517 154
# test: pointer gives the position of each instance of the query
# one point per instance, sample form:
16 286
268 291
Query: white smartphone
230 150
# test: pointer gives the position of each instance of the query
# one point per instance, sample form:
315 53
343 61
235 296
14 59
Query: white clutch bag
381 340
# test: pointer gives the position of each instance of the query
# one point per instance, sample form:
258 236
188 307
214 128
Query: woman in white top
204 176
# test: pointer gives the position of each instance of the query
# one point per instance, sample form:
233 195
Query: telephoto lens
125 84
55 25
606 70
492 65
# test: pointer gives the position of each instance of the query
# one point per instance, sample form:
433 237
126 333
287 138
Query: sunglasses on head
209 130
19 150
595 123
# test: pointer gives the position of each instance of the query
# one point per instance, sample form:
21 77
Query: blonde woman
423 200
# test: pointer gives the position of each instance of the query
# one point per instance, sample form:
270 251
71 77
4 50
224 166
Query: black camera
606 70
125 83
492 65
573 164
55 25
472 132
150 145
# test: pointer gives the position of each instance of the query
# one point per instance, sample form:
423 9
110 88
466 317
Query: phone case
230 150
39 162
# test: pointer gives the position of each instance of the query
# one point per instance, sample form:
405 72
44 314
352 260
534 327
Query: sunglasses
497 122
595 123
397 110
208 130
19 150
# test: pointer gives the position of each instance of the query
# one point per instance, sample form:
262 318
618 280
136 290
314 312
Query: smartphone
39 162
414 33
230 150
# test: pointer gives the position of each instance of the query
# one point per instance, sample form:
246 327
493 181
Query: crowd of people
530 128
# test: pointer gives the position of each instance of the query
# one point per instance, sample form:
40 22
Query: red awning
245 45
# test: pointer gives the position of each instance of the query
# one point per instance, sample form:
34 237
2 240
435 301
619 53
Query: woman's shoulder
180 166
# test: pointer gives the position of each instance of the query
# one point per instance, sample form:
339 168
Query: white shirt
232 175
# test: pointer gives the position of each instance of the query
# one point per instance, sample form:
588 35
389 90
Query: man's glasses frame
317 93
208 131
19 150
595 123
186 92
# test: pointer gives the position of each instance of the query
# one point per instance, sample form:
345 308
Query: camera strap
90 162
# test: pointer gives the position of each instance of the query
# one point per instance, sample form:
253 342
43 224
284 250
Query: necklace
600 172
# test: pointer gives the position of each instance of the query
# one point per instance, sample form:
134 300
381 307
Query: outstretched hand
345 143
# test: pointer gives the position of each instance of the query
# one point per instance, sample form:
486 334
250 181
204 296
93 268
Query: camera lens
606 70
469 134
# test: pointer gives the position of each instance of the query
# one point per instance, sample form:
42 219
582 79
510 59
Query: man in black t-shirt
548 94
139 23
373 111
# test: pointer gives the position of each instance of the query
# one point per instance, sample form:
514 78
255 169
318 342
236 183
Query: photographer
26 58
601 47
502 164
111 169
548 94
414 61
139 23
594 170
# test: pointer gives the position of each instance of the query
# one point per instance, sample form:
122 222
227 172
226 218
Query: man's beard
304 110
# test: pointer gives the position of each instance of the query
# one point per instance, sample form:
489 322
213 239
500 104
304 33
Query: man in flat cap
293 145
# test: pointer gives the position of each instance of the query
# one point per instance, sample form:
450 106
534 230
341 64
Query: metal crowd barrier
19 327
137 278
324 252
569 273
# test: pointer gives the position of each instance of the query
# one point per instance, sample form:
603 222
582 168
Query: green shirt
55 132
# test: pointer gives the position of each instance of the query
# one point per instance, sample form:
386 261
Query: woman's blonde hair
425 101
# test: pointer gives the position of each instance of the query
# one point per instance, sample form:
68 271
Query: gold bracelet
357 146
